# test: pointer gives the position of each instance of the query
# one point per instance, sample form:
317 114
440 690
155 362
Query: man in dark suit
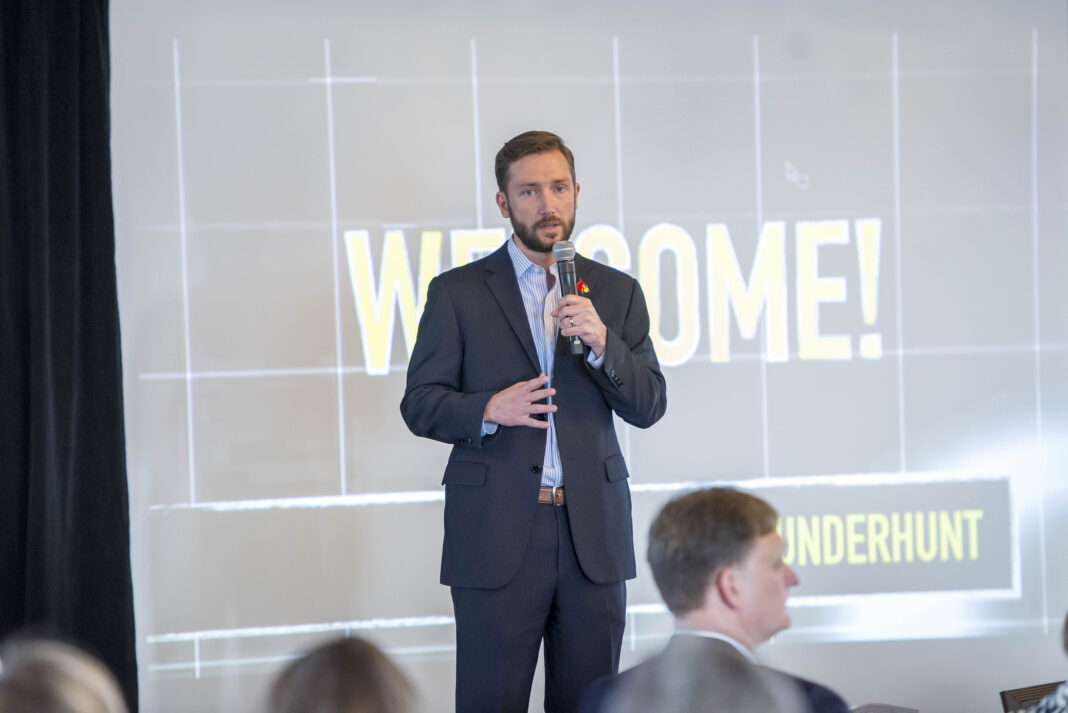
717 561
538 540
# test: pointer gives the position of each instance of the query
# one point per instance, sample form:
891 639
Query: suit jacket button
535 468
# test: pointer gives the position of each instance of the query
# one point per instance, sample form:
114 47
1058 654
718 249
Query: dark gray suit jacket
696 673
474 340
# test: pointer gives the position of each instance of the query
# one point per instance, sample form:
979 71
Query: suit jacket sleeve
434 405
630 378
822 699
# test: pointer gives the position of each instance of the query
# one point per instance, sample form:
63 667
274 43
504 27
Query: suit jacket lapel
501 281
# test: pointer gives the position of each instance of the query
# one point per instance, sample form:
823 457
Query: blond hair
38 676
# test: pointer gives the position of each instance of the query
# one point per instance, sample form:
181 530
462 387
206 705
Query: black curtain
64 514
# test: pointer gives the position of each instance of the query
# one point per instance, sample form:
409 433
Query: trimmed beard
529 237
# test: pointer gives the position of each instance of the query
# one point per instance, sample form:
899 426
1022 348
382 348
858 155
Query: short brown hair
343 676
697 534
526 144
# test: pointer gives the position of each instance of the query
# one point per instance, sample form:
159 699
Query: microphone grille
564 250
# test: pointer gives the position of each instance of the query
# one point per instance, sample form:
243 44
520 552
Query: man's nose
792 580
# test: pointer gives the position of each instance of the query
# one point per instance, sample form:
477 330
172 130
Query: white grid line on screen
258 373
719 217
1014 544
759 160
255 632
311 502
818 77
184 239
339 370
1038 328
478 134
617 108
833 600
895 84
632 612
345 80
276 661
757 134
838 632
409 497
793 634
221 663
979 350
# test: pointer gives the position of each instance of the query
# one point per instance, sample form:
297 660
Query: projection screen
849 223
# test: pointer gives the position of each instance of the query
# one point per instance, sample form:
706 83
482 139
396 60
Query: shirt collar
520 262
722 637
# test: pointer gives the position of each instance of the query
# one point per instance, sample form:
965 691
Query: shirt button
535 468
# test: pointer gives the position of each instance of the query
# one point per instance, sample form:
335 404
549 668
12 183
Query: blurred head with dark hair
717 561
343 676
53 677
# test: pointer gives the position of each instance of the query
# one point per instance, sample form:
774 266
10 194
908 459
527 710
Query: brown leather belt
552 496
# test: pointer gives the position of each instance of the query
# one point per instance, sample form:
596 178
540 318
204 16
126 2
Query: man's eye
528 192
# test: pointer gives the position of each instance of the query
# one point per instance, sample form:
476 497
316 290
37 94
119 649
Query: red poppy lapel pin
583 288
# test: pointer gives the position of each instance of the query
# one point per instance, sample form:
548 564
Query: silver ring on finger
571 321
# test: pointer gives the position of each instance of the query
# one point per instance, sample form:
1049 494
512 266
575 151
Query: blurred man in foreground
718 563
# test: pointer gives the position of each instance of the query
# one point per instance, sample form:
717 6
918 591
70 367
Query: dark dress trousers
474 340
697 673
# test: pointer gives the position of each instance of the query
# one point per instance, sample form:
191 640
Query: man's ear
726 584
502 203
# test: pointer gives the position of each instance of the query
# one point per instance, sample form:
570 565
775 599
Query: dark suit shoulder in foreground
696 674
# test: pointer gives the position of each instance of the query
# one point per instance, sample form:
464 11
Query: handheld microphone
564 252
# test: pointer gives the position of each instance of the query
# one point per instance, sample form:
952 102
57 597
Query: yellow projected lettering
878 538
878 530
833 539
604 244
658 240
808 540
733 297
812 290
469 245
377 311
869 236
766 290
854 539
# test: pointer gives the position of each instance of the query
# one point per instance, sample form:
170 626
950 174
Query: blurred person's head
1065 634
344 676
718 563
53 677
